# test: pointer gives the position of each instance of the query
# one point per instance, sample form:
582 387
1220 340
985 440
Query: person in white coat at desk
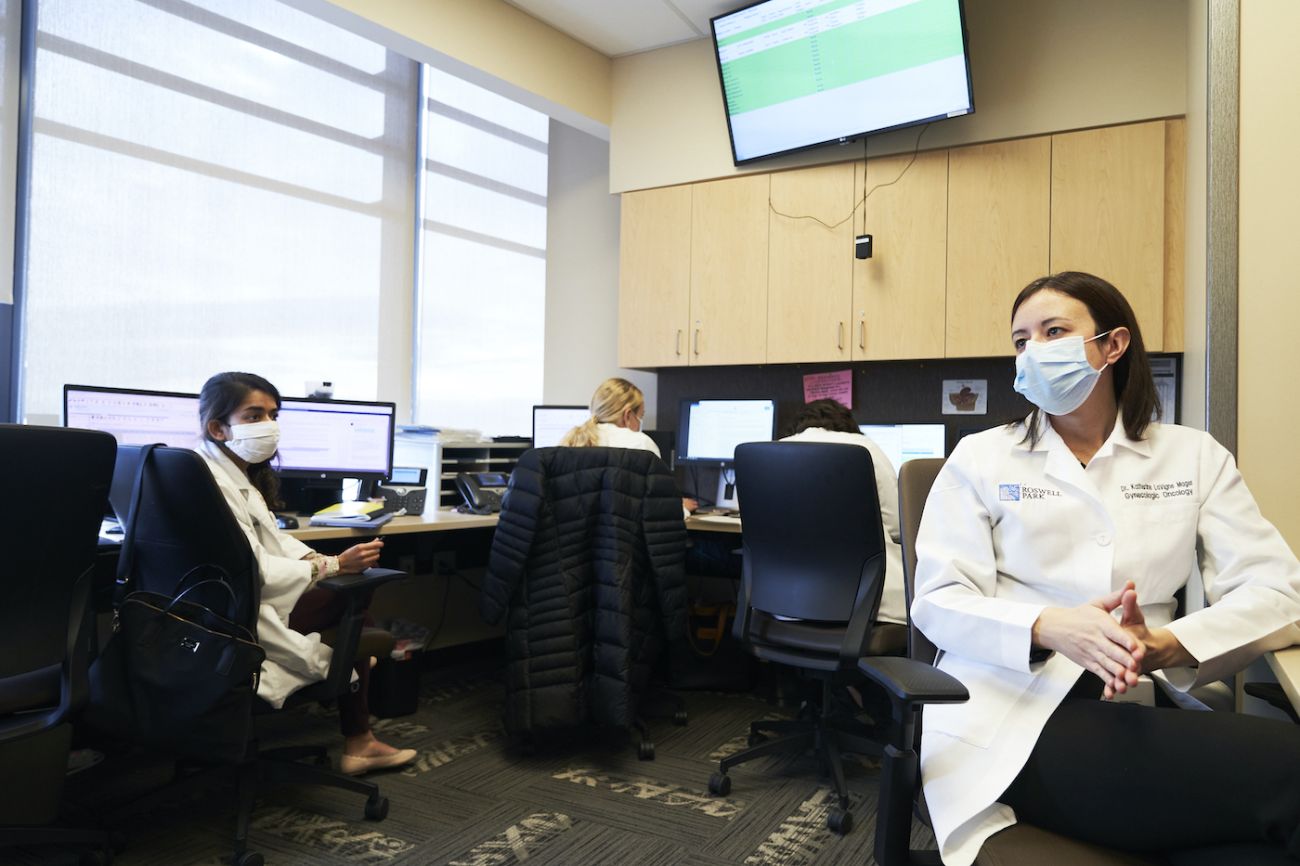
238 414
617 410
830 421
1048 561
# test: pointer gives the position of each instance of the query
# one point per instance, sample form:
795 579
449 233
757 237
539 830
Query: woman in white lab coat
1048 560
617 410
238 415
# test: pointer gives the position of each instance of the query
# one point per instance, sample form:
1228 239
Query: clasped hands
1117 651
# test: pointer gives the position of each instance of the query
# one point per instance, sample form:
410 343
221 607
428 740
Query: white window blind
482 295
10 35
215 185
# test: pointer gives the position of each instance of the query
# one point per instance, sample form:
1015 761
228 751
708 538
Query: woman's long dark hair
220 397
1135 391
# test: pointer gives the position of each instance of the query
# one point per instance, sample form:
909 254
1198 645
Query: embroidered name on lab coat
1159 490
1017 492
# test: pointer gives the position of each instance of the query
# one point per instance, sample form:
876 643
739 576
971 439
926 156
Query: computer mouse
286 521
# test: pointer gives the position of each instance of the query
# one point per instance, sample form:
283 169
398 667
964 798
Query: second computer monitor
550 423
134 416
336 439
710 430
904 442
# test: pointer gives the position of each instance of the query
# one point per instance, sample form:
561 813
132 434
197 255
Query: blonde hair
611 400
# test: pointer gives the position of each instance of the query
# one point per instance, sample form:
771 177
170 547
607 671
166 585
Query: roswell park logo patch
1019 492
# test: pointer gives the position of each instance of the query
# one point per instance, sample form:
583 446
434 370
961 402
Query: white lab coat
1010 529
293 660
893 605
614 436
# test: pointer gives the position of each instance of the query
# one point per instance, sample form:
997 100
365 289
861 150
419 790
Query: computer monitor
710 430
134 416
336 439
550 423
904 442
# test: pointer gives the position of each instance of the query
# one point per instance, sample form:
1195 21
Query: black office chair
182 521
814 570
57 485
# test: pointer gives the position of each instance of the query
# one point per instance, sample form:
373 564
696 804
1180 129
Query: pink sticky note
837 386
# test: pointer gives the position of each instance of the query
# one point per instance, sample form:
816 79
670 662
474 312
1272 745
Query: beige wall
582 275
1041 66
491 43
1268 351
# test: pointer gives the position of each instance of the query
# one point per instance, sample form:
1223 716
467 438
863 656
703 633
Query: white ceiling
617 27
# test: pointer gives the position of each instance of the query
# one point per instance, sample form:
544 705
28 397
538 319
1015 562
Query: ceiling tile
614 27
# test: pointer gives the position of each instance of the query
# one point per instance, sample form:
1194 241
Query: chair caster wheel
376 808
248 858
646 751
680 718
839 821
719 785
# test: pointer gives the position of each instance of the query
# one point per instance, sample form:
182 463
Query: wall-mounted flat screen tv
799 73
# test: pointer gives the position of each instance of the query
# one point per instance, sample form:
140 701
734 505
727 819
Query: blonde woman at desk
238 414
617 409
1048 561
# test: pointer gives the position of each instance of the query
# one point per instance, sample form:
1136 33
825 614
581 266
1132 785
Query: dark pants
319 609
1154 779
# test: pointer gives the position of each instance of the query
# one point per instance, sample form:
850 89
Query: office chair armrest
910 682
367 581
356 590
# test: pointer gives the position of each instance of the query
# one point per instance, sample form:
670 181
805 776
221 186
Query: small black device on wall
862 246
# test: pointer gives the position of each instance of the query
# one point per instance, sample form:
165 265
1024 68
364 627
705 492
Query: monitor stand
309 495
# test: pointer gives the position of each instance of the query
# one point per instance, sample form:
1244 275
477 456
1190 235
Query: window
484 260
215 184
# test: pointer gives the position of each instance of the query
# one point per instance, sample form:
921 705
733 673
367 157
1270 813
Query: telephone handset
477 499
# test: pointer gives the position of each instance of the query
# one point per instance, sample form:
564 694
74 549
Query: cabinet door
654 274
810 266
1108 214
899 293
998 212
729 271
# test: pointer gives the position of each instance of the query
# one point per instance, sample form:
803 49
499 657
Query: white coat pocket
994 691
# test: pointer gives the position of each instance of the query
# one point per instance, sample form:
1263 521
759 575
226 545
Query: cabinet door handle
678 344
862 334
840 339
697 341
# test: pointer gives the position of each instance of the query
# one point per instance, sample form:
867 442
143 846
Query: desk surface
1286 667
450 520
440 521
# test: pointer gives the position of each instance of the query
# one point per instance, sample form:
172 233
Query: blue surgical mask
1055 376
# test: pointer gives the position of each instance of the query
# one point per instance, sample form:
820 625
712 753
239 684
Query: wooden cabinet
998 231
1108 214
654 286
735 272
899 294
810 265
728 281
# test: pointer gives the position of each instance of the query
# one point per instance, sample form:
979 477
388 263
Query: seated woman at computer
830 421
617 409
1048 562
240 435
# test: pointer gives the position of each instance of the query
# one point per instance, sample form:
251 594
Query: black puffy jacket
587 562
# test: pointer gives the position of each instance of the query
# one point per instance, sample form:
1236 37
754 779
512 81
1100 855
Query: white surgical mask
1055 375
254 443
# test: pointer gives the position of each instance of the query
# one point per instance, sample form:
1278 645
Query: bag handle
126 557
231 611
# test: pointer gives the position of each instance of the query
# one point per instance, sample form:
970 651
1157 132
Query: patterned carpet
470 801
